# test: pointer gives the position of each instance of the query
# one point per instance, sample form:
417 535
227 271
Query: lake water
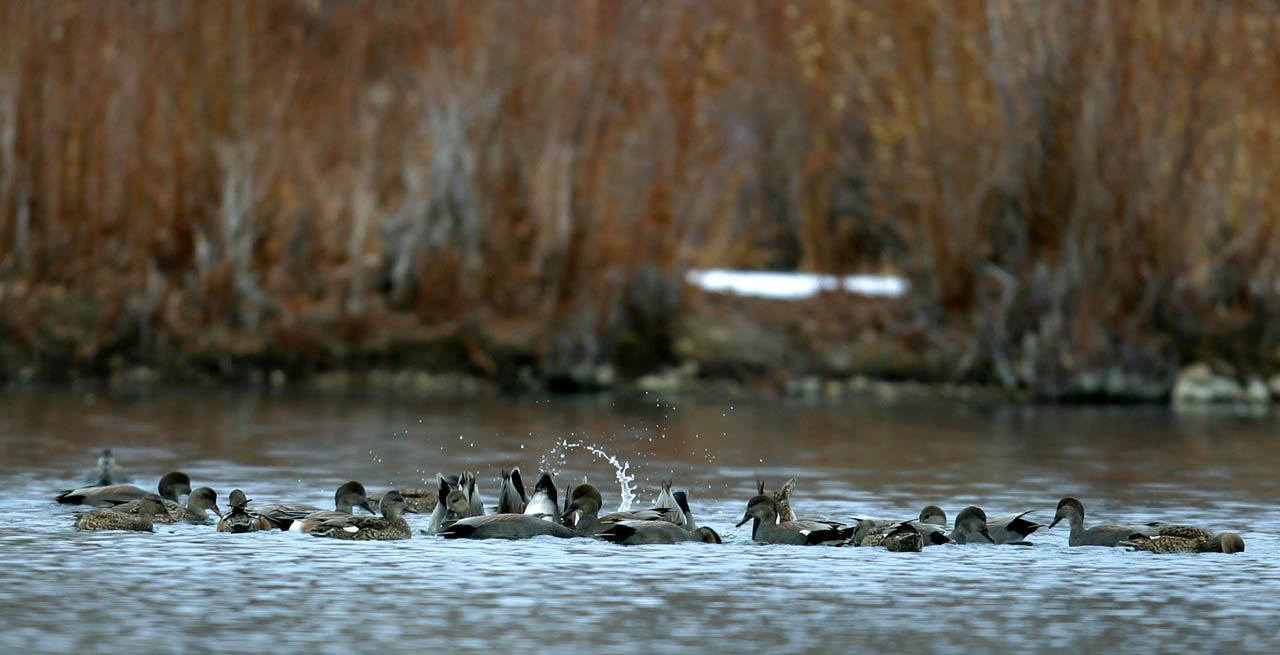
191 589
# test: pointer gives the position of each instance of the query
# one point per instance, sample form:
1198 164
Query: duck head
1231 542
933 515
151 506
456 505
393 504
352 494
972 520
173 485
1069 509
761 507
204 499
237 499
586 499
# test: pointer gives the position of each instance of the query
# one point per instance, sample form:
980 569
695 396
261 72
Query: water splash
621 468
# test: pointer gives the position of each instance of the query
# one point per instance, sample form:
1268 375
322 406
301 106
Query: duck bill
743 521
987 535
368 508
216 511
410 510
1055 522
567 513
168 517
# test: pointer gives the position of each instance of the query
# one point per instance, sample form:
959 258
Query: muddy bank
830 346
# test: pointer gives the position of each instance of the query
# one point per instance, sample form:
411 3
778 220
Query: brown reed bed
220 187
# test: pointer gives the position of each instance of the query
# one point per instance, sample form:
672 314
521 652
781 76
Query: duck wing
113 494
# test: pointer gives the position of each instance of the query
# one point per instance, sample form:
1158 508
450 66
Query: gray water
190 589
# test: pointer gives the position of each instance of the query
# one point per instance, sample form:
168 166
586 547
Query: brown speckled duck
390 527
419 499
171 487
239 519
1227 542
105 519
199 503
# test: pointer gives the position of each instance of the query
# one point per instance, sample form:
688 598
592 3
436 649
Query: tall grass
1071 186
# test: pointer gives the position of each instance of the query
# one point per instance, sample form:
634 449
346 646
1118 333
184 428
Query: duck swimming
586 504
239 520
105 519
300 517
107 472
171 487
771 531
199 503
391 526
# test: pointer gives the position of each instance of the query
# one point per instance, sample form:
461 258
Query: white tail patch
350 528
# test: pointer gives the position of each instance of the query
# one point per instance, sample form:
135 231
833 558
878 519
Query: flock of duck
457 512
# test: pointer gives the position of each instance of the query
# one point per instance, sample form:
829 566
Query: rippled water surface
190 589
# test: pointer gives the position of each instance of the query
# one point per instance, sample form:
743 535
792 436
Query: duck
512 498
506 525
239 519
199 503
633 533
543 503
971 523
391 526
871 531
445 486
586 502
300 517
771 531
903 538
668 501
105 519
1009 529
567 518
1072 511
467 483
171 487
421 499
106 473
782 497
1227 542
682 499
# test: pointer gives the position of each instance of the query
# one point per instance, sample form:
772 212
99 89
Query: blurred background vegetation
1082 194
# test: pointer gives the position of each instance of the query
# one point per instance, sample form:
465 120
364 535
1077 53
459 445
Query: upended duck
105 519
497 526
771 531
512 498
239 519
632 532
171 487
199 503
544 503
391 526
